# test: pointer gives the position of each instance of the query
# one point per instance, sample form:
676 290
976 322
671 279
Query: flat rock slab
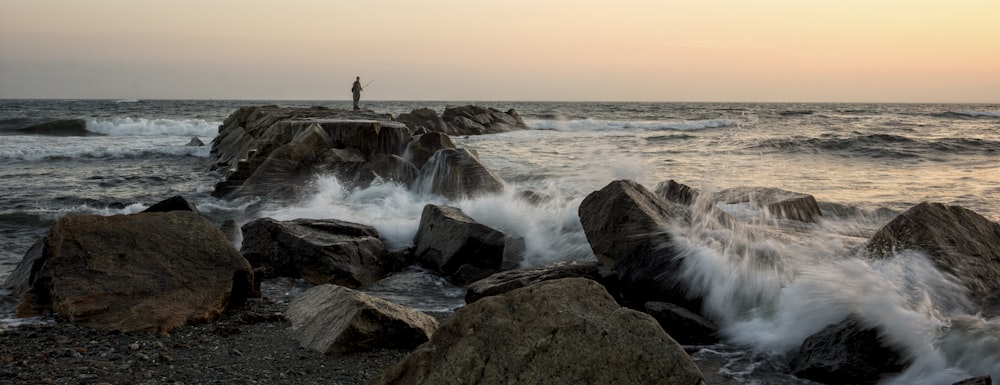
336 320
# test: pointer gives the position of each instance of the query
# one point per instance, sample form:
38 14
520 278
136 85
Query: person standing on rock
356 89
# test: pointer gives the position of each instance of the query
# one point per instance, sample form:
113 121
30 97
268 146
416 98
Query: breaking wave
613 125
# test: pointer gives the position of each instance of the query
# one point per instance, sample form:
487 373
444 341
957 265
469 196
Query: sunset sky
580 50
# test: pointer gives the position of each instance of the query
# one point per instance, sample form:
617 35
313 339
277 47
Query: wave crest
152 127
622 125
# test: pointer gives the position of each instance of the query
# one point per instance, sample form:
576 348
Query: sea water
769 284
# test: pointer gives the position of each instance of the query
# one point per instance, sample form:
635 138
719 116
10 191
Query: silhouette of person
356 89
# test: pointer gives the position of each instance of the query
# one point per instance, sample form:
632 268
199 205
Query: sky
511 50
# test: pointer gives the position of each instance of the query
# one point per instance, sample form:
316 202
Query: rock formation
567 331
272 151
505 281
464 120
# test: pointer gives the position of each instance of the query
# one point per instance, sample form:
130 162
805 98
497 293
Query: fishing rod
366 84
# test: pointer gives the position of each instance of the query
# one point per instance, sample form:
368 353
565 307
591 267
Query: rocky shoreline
164 296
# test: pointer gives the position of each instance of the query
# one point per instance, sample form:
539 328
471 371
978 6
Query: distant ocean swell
883 146
123 126
612 125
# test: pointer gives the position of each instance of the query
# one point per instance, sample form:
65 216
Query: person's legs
356 99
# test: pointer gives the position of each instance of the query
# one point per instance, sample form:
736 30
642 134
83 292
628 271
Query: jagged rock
684 326
676 192
455 174
195 142
464 120
455 245
505 281
776 202
320 251
336 320
476 120
424 146
261 148
567 331
147 271
845 353
626 225
425 118
958 241
389 168
174 203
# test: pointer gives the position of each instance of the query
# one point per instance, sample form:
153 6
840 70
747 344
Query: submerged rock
319 250
683 325
960 242
845 353
566 331
175 203
776 202
336 320
148 271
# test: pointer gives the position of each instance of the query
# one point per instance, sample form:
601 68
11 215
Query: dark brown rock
388 168
425 118
477 120
174 203
957 240
450 242
147 271
336 320
683 325
320 251
845 353
567 331
676 192
626 225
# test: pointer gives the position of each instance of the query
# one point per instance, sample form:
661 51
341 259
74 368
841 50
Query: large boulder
626 225
318 250
148 271
457 173
336 320
505 281
958 241
845 353
567 331
774 202
173 203
455 245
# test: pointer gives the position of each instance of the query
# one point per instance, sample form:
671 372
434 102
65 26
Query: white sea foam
611 125
153 127
770 292
551 229
34 148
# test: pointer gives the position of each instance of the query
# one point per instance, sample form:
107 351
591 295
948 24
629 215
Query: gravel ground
247 346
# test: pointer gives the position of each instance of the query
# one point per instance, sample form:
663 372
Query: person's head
357 78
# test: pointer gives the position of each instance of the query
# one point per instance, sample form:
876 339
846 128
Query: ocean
864 163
